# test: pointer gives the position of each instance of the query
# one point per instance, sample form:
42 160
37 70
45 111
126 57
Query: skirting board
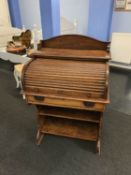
120 65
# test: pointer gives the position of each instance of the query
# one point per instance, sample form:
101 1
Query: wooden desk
69 87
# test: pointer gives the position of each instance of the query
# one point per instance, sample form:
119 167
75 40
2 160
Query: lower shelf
70 128
74 114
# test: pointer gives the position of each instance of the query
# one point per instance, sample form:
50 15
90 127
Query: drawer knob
88 104
39 98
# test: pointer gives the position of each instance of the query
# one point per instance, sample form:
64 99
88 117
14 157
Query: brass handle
39 98
88 104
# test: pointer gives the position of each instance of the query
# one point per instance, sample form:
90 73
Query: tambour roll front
67 80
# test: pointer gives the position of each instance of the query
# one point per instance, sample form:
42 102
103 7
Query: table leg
17 79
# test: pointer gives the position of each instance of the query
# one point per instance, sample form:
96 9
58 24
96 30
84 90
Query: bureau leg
98 143
40 135
98 146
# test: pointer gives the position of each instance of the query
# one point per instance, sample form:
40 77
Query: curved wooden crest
74 42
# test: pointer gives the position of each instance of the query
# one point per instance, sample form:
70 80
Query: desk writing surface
72 54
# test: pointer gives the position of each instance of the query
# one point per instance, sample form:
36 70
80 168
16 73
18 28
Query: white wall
4 13
121 22
30 13
70 9
76 9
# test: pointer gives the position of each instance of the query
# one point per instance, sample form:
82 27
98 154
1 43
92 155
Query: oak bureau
67 80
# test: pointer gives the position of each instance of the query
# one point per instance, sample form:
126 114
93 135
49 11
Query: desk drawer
39 100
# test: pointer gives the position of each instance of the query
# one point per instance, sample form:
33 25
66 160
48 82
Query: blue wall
121 22
100 18
15 13
98 15
50 18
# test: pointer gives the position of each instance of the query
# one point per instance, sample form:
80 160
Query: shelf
72 54
74 114
70 128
